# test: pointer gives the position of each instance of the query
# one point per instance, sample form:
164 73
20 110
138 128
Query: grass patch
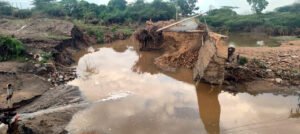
285 38
10 48
259 63
242 61
46 56
58 37
100 31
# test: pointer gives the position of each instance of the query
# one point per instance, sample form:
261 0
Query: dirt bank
34 93
269 69
276 66
36 82
181 50
58 37
27 86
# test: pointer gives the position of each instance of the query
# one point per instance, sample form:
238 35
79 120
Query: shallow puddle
167 103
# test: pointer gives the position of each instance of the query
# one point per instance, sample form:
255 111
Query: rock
269 70
37 65
278 80
294 56
61 77
41 71
210 66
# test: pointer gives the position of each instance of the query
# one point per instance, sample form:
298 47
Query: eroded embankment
206 53
277 65
181 49
36 80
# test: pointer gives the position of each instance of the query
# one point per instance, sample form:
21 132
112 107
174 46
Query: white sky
203 4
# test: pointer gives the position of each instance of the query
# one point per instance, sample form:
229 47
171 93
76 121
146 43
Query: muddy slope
181 49
45 35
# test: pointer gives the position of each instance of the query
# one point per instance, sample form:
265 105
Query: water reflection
144 64
209 108
164 102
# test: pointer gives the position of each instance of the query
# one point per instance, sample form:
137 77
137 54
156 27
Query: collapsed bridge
189 44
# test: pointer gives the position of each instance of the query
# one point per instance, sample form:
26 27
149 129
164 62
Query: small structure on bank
189 44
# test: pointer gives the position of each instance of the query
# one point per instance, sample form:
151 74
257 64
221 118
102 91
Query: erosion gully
159 102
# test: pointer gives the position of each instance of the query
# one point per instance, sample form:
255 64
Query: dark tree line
283 21
116 11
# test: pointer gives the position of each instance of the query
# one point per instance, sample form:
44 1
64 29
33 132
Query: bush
22 13
46 56
242 61
10 48
55 11
99 34
5 8
272 23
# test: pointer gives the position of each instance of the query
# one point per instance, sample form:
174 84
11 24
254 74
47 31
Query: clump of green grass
242 61
10 48
260 64
99 31
127 31
46 56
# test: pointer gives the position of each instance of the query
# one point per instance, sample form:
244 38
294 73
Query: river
159 102
252 40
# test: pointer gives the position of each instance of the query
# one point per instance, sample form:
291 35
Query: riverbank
41 86
39 78
269 69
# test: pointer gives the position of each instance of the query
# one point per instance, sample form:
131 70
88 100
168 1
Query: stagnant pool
159 102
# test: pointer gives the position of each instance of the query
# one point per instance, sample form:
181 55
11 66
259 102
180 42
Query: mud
36 84
45 35
181 50
41 87
281 63
33 93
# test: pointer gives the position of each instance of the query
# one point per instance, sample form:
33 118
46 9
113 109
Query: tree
5 8
187 7
294 8
41 4
117 4
69 6
258 5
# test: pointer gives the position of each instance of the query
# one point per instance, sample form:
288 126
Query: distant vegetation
10 48
117 11
283 21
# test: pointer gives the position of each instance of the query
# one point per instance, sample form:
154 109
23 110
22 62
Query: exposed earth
43 86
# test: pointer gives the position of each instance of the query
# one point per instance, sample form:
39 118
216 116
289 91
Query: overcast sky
203 4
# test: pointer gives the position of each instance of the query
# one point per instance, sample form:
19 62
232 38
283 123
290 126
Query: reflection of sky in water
161 104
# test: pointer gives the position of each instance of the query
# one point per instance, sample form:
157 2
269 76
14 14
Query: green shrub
10 48
242 61
22 13
260 64
46 56
5 8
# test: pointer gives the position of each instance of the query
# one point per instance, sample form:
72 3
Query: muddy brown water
167 103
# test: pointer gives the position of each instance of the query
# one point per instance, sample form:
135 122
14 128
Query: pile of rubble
279 64
61 77
56 74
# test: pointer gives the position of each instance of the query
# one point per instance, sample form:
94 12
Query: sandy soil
53 123
27 86
285 57
269 70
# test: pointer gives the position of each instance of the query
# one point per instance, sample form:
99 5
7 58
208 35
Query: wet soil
159 102
26 85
